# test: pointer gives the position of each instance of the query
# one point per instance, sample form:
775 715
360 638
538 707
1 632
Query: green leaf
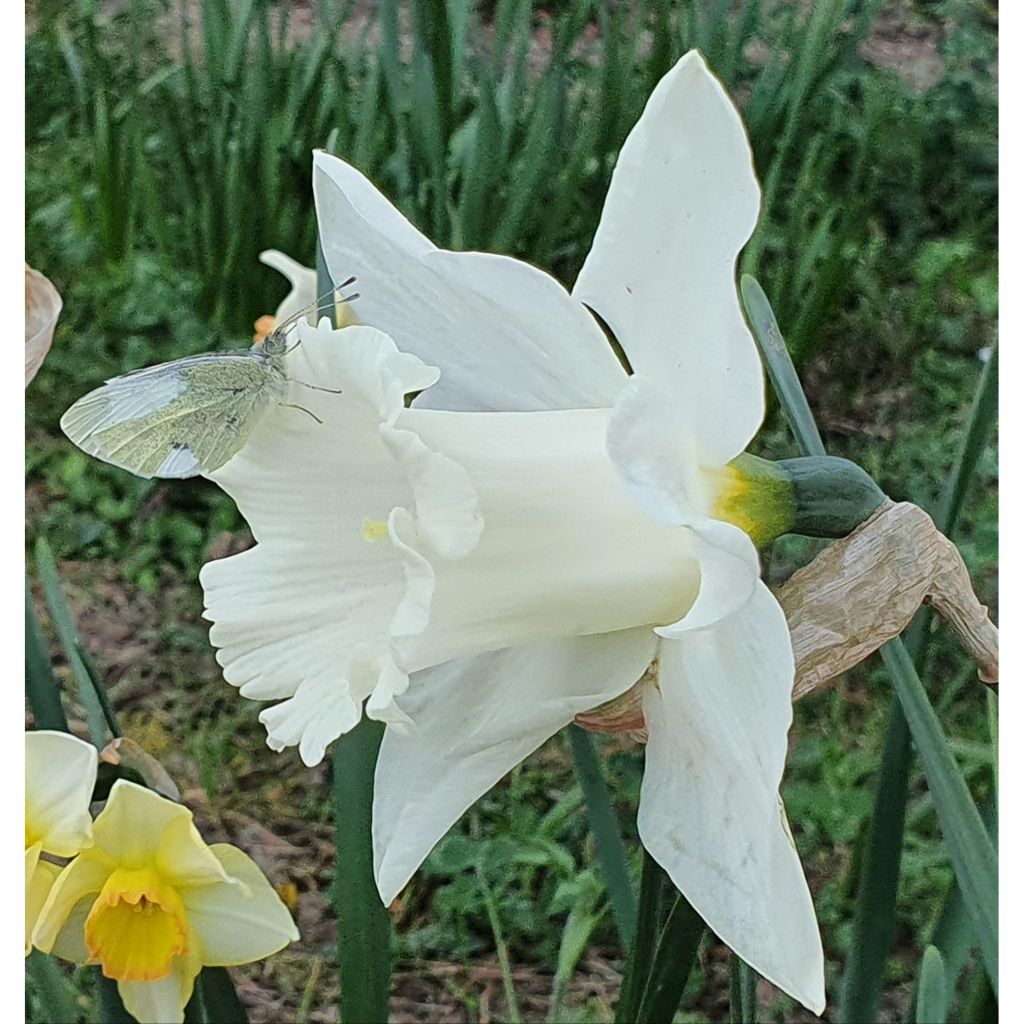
98 712
673 960
668 935
51 988
219 998
963 832
364 928
932 1002
41 687
611 850
779 365
111 1009
742 992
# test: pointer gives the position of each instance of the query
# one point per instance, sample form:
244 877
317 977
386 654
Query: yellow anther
374 529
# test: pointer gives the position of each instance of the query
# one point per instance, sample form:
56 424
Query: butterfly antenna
302 408
286 325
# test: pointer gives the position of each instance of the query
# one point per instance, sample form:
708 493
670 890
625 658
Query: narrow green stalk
604 824
364 928
98 713
508 982
652 880
742 992
108 999
673 960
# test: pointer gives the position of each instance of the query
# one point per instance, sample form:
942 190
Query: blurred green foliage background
169 143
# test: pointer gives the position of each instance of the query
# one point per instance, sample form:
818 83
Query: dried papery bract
863 590
42 307
856 595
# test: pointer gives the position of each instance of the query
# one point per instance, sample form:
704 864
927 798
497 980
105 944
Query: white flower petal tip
683 201
474 719
351 510
710 812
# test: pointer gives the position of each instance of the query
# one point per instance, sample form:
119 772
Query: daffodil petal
39 878
683 201
303 281
710 811
240 922
473 720
83 877
138 828
60 772
163 1001
729 575
309 490
506 335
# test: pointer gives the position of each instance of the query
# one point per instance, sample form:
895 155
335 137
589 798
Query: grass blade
41 686
604 824
932 1002
964 836
98 714
364 928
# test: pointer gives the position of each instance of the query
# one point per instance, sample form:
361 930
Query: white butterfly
186 417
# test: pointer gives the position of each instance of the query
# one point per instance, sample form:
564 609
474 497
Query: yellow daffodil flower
60 772
151 903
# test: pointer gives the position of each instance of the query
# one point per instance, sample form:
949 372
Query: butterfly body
182 418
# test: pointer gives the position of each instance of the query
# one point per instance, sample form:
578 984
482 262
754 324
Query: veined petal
240 922
473 720
683 201
710 811
163 1001
506 335
303 281
60 773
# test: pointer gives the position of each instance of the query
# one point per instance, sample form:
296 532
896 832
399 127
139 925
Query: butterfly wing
178 419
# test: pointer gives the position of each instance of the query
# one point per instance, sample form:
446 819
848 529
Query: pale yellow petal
60 772
83 877
39 878
239 923
163 1001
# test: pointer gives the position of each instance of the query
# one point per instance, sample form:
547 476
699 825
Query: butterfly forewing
178 419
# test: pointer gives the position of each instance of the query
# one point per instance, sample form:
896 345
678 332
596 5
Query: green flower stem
364 928
611 850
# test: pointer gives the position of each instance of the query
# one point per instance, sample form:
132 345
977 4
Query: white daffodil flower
538 527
